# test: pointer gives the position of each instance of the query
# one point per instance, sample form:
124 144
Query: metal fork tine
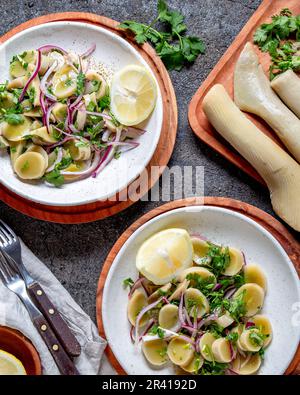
5 266
7 231
3 240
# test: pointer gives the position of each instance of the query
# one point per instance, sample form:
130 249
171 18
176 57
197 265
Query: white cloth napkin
14 315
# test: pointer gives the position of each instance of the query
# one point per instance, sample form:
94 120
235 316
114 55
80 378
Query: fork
10 243
13 281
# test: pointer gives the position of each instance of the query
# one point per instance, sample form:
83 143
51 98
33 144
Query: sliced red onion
242 353
43 85
149 326
59 143
49 47
229 293
244 363
73 129
181 312
84 173
187 318
128 145
47 118
99 114
166 300
81 121
204 321
107 157
132 334
140 316
244 257
106 135
199 236
217 286
76 103
233 351
188 328
71 136
249 324
57 160
230 372
32 77
132 133
89 51
43 107
136 285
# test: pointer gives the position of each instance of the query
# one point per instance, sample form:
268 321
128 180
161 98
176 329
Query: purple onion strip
32 77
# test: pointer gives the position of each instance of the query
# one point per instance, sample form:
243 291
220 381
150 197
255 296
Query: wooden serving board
223 74
99 210
288 242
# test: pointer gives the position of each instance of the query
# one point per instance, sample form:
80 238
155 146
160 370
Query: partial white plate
114 53
220 226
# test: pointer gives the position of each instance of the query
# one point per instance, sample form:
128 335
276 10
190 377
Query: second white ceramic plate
221 226
114 53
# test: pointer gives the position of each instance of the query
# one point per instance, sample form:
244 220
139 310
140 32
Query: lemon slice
133 95
165 255
10 365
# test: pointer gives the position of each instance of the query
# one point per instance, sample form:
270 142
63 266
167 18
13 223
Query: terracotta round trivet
284 237
99 210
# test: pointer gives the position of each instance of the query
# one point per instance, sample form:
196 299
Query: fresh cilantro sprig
12 115
54 177
213 368
157 330
80 84
236 306
13 118
175 48
205 285
128 282
220 258
275 38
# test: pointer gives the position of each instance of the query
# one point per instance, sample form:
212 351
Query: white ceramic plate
220 226
115 53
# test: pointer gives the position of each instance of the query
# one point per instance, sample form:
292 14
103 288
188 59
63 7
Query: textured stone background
75 253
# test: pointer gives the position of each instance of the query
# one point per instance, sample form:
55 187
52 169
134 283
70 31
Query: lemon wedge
165 255
133 95
10 365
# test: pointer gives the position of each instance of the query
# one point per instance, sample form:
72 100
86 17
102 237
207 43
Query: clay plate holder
99 210
223 74
287 241
17 344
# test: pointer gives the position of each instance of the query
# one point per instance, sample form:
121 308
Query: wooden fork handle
63 361
59 326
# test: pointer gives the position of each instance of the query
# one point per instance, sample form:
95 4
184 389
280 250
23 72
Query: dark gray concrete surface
75 253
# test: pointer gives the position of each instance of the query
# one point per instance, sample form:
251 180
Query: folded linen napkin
13 314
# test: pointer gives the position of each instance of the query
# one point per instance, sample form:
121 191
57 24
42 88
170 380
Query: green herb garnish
80 84
157 330
13 118
232 337
236 306
54 177
128 282
96 85
174 47
104 102
69 82
275 38
213 368
205 285
257 338
220 258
